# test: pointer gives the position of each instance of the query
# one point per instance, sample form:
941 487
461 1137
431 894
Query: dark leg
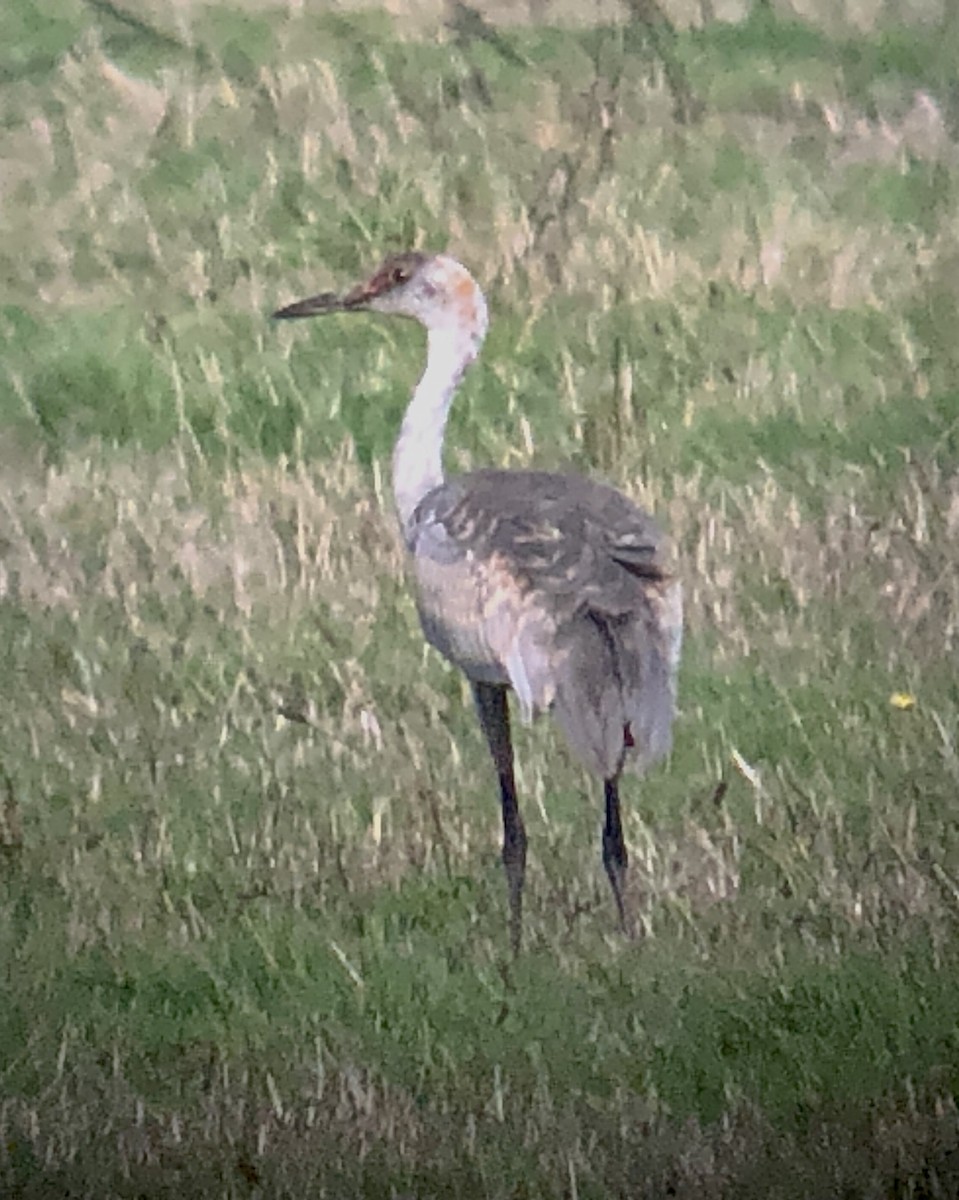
615 857
493 709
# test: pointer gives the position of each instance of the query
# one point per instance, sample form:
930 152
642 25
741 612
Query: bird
553 586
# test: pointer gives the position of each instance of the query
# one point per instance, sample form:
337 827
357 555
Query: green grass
252 916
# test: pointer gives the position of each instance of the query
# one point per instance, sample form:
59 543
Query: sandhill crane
549 584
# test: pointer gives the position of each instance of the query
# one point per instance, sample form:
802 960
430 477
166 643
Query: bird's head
433 289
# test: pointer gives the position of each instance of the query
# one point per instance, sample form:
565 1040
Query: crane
551 585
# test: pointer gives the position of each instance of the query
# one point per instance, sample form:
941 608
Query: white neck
418 454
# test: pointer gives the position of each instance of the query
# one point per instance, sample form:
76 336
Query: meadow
253 928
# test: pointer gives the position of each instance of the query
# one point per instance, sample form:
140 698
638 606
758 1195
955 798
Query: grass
252 918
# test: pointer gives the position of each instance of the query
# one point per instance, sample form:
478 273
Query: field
253 928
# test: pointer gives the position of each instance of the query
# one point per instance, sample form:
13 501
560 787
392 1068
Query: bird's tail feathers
615 693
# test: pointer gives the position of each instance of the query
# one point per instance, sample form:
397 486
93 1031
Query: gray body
556 586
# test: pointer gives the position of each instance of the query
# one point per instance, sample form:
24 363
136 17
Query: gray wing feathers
557 586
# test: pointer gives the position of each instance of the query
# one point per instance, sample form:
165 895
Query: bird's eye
400 275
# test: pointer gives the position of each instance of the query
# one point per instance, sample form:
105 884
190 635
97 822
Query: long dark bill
395 270
314 306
